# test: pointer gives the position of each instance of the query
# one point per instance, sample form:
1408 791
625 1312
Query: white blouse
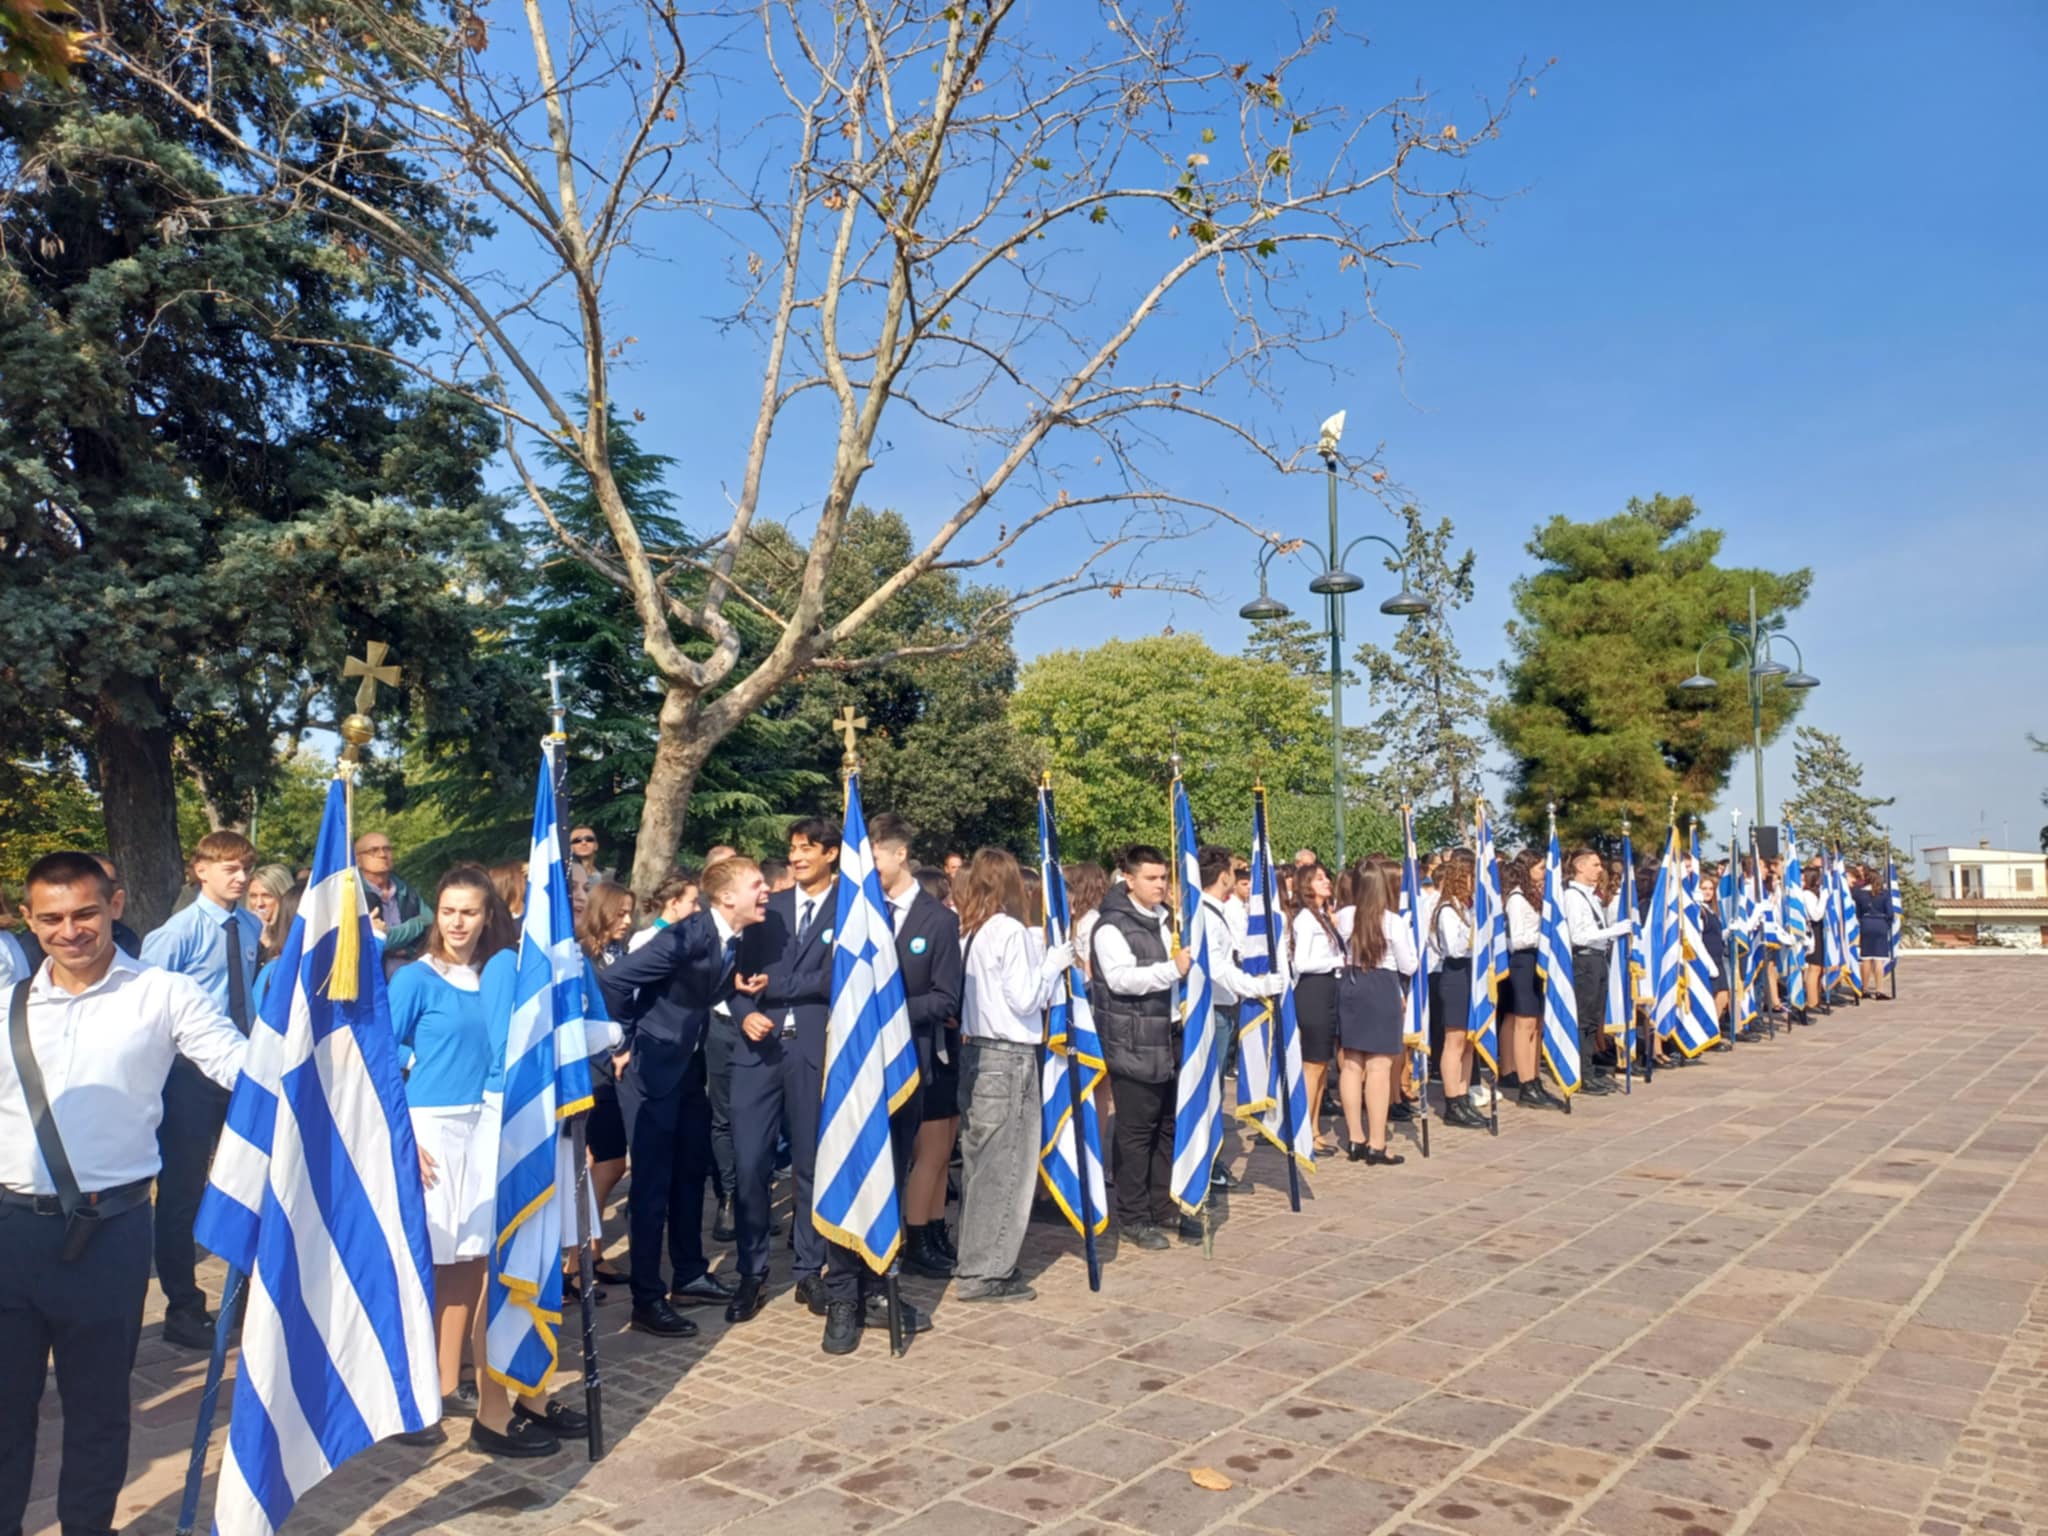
1399 955
1314 954
1525 925
1447 936
1007 984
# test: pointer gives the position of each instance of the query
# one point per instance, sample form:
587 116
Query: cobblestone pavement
1797 1290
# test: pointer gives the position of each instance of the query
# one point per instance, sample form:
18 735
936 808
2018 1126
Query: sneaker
1481 1097
1009 1288
842 1328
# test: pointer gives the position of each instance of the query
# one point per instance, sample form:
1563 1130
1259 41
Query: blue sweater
446 1038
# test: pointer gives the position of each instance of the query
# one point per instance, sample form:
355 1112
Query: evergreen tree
1828 805
201 513
1605 630
1433 705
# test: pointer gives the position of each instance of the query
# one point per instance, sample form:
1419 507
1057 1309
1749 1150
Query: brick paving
1799 1290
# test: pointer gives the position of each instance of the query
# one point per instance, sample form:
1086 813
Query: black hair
890 828
69 868
1135 855
815 829
1214 862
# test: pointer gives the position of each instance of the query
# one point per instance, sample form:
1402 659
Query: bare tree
958 222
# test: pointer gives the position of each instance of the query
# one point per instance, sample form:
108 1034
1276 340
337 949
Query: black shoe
1149 1238
1225 1180
433 1434
1380 1159
603 1276
842 1328
560 1420
874 1313
189 1330
704 1290
1537 1095
1356 1152
1190 1229
1507 1080
1402 1111
1597 1086
922 1257
748 1298
663 1321
1460 1112
1009 1288
942 1240
810 1292
523 1439
722 1230
461 1403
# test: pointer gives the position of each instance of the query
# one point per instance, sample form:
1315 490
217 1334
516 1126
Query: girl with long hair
1316 937
1816 926
266 894
1447 926
1523 880
1379 953
606 923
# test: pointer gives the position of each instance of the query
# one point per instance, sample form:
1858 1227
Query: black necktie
238 984
732 954
889 911
803 921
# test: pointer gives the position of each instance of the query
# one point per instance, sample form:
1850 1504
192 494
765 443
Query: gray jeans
999 1136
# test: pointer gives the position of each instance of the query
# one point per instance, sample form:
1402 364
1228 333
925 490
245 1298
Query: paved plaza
1797 1290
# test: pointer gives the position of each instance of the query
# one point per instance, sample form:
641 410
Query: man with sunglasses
583 853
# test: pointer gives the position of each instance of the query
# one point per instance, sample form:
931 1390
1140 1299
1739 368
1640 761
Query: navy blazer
662 995
929 960
798 966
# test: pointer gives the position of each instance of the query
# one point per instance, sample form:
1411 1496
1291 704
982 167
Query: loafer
189 1330
842 1328
1376 1158
748 1298
810 1293
1149 1238
702 1290
663 1321
560 1420
1009 1288
522 1440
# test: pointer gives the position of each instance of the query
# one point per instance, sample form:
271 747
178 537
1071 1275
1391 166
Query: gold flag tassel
344 981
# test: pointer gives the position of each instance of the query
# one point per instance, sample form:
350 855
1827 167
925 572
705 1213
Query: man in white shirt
91 1039
1229 986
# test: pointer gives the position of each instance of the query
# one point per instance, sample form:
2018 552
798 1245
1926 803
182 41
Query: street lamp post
1756 650
1333 584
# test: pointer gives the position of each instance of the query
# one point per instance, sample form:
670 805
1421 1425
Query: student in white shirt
1316 939
1371 1015
1522 879
1009 980
1229 986
1592 934
102 1030
1447 940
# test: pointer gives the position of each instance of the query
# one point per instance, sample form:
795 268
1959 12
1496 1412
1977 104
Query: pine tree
1433 705
1828 805
1605 630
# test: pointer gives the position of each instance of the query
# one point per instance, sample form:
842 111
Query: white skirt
462 1139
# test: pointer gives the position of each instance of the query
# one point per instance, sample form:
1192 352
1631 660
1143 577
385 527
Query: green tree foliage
1433 706
35 39
1104 719
201 512
1829 809
1604 632
43 808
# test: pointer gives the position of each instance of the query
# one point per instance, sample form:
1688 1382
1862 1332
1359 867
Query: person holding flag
1070 1134
1563 1018
1198 1100
1450 926
1136 968
1233 988
1372 1013
1620 1019
1489 951
1592 935
1272 1087
1524 999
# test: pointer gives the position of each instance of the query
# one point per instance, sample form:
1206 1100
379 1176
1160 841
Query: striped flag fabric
1667 947
547 1080
315 1196
1271 1088
1798 932
1622 964
1415 1021
1834 939
1489 943
1737 922
1198 1102
1560 1037
870 1061
1698 1027
1852 930
1073 1065
1895 906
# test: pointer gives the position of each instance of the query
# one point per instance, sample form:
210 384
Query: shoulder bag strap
31 1078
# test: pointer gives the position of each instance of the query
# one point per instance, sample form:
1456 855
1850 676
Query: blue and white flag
1198 1101
1272 1091
1074 1066
1415 1018
1667 947
1560 1038
1489 943
1836 971
1623 964
1798 931
315 1196
870 1061
1699 1025
1895 907
1737 922
547 1079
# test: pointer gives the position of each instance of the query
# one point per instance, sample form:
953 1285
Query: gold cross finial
849 725
357 729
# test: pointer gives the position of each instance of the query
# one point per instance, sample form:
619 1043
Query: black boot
942 1240
1459 1111
922 1257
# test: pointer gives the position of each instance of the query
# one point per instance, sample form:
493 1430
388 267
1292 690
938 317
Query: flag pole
1895 924
209 1401
1275 1055
1047 875
1180 987
556 751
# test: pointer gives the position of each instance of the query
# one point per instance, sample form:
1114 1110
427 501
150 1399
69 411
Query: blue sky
1786 259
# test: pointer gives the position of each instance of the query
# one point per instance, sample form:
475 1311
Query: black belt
108 1202
1589 949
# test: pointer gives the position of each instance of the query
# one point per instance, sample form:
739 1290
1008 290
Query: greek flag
1896 907
1489 943
1554 965
1834 938
1736 923
1622 964
1271 1090
1198 1106
1415 1022
1698 1027
1667 949
547 1079
1852 930
315 1196
870 1062
1798 934
1073 1060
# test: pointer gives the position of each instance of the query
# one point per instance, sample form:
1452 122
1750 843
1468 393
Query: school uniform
1873 921
1525 932
1372 1006
437 1013
1816 925
1592 936
1318 955
1230 988
1447 953
1131 990
928 960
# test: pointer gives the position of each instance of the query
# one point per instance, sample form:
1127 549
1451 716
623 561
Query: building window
2023 879
1972 876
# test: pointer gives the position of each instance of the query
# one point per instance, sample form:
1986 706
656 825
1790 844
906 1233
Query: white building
1986 895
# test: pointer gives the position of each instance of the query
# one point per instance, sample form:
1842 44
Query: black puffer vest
1140 1036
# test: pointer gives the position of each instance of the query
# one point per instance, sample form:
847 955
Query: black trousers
718 1048
195 1108
773 1081
1589 991
1143 1158
87 1315
669 1137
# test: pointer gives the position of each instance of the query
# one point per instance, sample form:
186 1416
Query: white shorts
462 1139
